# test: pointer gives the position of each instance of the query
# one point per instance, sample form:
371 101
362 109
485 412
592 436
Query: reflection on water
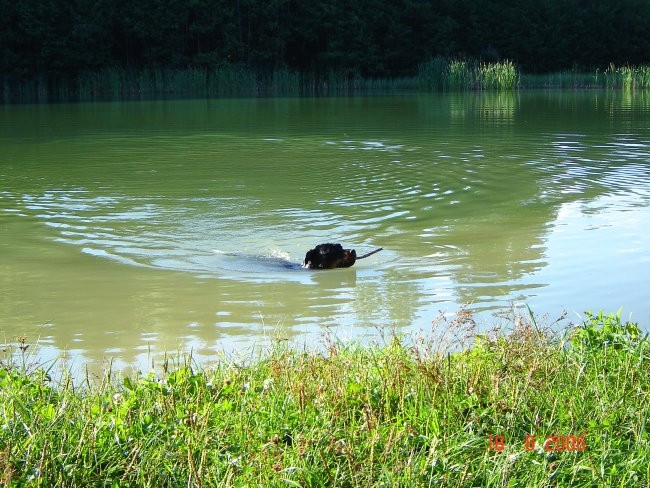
133 228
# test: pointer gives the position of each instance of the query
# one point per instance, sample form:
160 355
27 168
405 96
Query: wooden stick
370 253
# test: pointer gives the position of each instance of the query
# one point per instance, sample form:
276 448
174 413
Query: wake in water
255 263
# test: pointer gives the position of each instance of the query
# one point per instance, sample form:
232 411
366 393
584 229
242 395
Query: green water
130 229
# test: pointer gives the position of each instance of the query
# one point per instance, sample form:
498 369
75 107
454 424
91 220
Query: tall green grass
442 74
432 74
614 77
115 83
569 79
459 75
498 76
628 77
518 406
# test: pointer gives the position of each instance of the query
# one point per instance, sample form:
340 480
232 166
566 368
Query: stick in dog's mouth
370 253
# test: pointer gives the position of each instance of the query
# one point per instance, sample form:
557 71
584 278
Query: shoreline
527 406
437 75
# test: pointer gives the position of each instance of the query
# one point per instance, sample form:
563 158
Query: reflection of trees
493 108
509 171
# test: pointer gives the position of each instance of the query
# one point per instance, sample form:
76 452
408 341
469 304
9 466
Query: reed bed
225 81
438 74
569 79
116 84
520 405
614 77
628 77
498 76
441 74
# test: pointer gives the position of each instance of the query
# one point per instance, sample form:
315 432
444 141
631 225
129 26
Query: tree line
53 39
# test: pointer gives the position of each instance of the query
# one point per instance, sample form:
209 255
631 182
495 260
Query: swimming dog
330 256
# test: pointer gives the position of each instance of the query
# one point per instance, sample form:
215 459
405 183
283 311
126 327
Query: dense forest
64 39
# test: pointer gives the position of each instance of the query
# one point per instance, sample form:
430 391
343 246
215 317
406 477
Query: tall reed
498 76
628 77
570 79
431 74
459 74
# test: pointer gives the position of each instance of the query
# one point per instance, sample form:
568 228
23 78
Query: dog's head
349 258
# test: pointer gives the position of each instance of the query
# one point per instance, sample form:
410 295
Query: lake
132 229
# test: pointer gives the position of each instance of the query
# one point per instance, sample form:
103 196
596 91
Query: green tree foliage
53 39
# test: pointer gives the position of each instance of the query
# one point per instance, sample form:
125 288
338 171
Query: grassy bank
525 407
439 74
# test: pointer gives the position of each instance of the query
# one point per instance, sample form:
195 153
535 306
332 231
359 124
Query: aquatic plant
437 74
459 74
431 74
627 77
498 76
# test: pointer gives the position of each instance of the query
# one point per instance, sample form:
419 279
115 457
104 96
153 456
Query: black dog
329 256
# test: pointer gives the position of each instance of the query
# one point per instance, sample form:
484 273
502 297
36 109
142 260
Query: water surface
130 229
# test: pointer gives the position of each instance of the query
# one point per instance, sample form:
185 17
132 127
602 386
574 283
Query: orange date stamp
552 443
